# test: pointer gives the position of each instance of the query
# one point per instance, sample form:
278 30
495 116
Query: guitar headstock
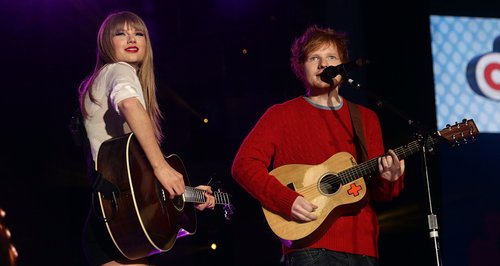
228 205
460 131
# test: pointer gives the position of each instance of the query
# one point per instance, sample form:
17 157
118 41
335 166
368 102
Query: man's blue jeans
324 257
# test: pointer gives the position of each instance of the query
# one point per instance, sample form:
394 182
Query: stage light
8 253
213 246
205 120
244 51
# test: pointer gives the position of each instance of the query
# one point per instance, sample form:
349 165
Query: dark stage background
202 71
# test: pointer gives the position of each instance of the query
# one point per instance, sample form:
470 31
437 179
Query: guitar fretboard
369 167
197 195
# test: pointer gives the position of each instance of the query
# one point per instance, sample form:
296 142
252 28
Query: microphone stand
422 135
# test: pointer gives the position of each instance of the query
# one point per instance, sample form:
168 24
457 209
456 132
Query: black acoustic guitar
140 217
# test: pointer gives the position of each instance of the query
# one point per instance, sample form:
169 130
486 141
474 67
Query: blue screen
466 65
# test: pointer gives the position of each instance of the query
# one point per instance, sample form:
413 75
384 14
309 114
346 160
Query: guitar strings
197 195
460 131
348 175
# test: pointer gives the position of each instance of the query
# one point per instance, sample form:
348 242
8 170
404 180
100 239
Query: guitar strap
79 135
357 125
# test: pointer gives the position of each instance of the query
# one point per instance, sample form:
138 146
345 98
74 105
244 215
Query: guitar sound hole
329 184
177 201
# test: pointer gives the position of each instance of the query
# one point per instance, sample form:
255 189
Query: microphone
343 69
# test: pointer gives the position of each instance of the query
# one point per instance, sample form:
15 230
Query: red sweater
298 132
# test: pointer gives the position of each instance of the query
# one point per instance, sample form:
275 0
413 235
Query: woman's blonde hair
106 55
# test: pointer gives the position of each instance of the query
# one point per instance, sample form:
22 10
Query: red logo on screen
483 73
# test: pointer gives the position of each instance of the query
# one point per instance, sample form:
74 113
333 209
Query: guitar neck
369 167
197 196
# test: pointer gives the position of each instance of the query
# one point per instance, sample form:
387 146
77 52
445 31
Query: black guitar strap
357 125
77 129
99 182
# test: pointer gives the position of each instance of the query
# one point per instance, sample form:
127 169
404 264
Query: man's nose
322 64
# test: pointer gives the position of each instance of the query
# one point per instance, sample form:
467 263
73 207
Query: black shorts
97 244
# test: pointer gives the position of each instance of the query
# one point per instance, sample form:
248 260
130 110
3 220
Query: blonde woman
119 97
